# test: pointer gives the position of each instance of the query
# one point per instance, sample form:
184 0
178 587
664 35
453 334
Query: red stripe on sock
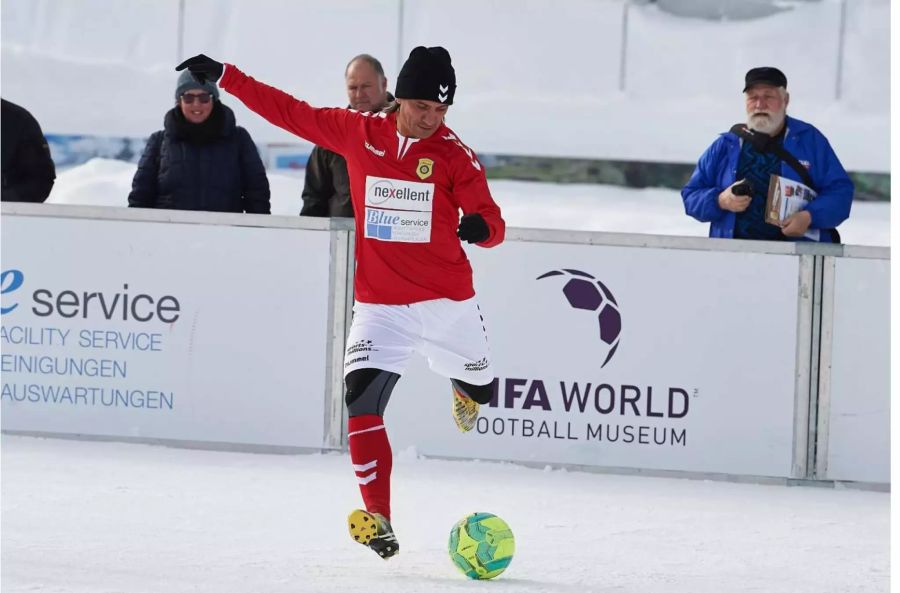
366 447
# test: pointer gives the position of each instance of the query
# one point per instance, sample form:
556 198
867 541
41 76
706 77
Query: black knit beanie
427 74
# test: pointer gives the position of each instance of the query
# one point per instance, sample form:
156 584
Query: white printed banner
624 357
859 414
163 330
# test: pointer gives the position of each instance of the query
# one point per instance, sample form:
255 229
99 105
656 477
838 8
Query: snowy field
583 207
106 517
102 517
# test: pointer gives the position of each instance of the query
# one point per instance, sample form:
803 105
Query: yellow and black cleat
374 531
465 411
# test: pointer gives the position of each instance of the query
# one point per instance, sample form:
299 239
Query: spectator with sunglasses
201 160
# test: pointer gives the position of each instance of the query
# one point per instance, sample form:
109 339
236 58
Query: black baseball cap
764 75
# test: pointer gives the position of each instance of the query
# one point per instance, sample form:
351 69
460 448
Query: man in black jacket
28 171
326 191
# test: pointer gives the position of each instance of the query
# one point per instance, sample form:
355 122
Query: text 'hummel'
373 150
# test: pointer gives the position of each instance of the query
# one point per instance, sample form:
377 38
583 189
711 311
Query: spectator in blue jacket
201 160
731 161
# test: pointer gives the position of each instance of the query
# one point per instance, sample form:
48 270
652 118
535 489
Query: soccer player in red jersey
410 175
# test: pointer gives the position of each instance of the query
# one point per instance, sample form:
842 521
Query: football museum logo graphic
583 291
565 403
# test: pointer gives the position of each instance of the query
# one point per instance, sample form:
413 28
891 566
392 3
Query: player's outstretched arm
325 127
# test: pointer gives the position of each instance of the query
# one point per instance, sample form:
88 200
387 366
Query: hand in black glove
473 228
203 68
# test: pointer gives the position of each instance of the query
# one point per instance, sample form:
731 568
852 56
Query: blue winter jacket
717 168
226 175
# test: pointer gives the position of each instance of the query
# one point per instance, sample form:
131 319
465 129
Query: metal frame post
623 54
802 404
813 362
823 394
341 291
839 74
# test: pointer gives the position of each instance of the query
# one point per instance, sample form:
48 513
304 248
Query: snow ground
583 207
103 517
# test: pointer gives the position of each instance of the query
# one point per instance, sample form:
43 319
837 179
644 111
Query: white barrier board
163 330
859 430
681 360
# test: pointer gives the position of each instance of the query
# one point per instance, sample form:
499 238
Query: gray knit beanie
186 82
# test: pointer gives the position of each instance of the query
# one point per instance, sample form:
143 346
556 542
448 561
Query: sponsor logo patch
477 365
398 210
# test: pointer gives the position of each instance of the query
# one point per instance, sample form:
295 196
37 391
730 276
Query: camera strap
763 143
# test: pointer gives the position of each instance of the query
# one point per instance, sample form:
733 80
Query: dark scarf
206 132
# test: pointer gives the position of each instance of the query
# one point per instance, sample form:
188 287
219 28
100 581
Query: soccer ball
481 545
583 291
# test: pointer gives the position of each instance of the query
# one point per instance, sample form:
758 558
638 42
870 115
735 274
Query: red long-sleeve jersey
406 193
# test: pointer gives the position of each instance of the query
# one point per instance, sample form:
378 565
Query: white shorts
450 334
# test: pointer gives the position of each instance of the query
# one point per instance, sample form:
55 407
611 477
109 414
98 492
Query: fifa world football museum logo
583 291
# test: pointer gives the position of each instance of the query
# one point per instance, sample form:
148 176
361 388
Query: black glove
203 68
473 228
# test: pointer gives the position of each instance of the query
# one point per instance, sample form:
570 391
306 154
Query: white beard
767 124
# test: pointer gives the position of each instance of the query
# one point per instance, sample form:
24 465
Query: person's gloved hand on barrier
203 68
473 228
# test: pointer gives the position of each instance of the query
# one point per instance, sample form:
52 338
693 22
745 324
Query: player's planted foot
465 411
373 530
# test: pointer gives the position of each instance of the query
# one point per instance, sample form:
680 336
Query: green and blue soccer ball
481 545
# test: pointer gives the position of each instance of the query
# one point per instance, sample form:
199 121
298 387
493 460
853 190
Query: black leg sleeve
368 391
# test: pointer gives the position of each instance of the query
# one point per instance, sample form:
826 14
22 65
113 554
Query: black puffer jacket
28 170
218 170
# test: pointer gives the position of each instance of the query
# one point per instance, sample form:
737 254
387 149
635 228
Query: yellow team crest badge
424 168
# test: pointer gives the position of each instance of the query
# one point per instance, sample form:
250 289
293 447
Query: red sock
371 455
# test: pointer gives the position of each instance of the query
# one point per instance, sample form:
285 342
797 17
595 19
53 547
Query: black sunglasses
202 97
